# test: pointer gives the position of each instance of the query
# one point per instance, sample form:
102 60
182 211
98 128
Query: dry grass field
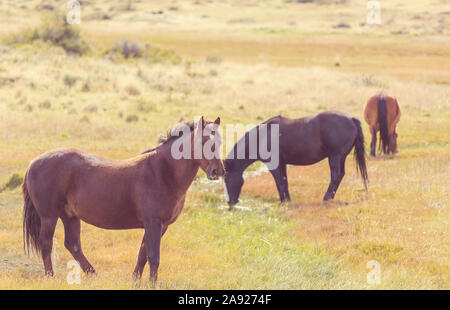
244 61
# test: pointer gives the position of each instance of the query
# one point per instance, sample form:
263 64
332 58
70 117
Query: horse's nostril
214 172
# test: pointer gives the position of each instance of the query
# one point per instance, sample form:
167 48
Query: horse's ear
217 121
202 121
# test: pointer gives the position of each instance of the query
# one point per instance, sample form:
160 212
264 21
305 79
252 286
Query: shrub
370 81
86 86
45 105
92 108
85 119
130 49
213 59
131 118
132 90
69 80
144 106
155 55
55 30
341 25
29 108
14 181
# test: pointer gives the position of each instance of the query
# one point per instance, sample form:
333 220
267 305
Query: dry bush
45 105
132 90
131 118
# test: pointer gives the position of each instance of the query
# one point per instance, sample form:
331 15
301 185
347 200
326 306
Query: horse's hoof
90 271
136 277
49 274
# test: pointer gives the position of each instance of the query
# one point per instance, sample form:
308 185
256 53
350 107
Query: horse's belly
307 157
305 161
106 216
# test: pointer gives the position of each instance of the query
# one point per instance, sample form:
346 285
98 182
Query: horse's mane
163 139
169 136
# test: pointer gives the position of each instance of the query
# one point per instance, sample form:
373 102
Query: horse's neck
182 171
239 165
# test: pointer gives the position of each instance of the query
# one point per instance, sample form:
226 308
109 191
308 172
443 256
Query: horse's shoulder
275 120
330 115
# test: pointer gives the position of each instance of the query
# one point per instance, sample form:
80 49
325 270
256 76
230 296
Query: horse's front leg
285 181
280 182
153 232
142 258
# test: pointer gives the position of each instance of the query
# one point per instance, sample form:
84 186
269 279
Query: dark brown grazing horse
147 191
382 113
302 141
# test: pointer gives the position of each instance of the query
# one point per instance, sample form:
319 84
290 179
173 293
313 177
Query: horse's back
338 131
57 171
307 140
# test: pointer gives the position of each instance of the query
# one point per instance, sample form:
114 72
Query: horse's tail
360 152
31 222
382 122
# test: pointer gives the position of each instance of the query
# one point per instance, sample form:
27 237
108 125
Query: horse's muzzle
231 204
212 174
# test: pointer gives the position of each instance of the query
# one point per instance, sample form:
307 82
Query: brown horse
147 191
382 113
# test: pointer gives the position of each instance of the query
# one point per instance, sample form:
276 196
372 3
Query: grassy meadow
244 61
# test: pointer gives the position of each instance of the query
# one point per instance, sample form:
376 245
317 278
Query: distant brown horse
147 191
382 113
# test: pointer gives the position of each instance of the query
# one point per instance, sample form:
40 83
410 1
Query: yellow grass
245 62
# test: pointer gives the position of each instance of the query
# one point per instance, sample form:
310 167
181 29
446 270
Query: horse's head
207 139
233 181
393 143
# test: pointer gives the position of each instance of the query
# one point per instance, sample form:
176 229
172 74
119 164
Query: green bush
55 30
14 181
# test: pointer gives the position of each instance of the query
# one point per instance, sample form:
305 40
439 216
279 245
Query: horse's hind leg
142 260
335 169
341 174
46 233
373 143
72 242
